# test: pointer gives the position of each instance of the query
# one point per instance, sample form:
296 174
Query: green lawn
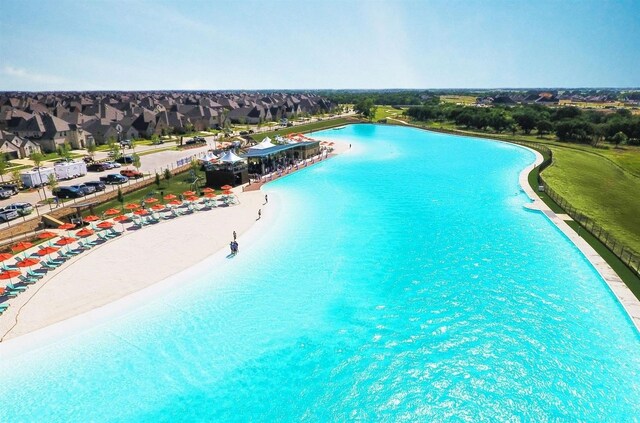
176 185
600 189
386 112
315 126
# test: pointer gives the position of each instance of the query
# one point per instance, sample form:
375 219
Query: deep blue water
402 280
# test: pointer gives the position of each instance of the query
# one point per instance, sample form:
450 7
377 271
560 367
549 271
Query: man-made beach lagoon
402 280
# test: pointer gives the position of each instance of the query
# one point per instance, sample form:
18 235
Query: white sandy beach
134 262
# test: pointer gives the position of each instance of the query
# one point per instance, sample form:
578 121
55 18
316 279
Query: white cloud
27 75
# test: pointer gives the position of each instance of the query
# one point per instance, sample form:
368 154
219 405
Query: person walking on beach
266 199
231 247
259 213
234 235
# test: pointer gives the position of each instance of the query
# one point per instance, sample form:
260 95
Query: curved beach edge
50 332
619 289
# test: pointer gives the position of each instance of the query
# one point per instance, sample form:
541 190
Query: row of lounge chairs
48 264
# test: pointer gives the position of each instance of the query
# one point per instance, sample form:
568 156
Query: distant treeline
568 123
391 98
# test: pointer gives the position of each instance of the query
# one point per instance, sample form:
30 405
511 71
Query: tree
120 197
64 151
366 108
136 161
52 181
37 158
619 138
15 176
114 149
498 120
91 148
526 120
157 179
3 166
167 174
544 127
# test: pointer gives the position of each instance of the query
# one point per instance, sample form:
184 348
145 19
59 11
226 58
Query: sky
317 44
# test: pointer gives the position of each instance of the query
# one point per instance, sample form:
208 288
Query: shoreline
46 316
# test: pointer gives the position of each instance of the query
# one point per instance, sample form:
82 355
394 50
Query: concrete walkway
629 301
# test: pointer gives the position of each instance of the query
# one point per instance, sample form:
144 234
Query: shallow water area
402 280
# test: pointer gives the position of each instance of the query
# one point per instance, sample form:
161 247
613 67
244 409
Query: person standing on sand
231 247
266 199
259 213
234 235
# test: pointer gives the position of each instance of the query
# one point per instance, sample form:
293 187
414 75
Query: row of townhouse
50 119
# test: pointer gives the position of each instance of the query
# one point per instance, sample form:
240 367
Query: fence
623 252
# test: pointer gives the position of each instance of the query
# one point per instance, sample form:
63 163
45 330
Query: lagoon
402 280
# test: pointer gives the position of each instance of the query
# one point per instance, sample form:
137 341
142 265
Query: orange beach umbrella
83 233
132 206
5 256
91 218
208 190
66 226
28 262
47 250
66 241
188 193
227 192
226 187
176 203
151 200
8 274
105 225
169 197
141 212
158 207
121 218
210 195
21 246
112 212
46 235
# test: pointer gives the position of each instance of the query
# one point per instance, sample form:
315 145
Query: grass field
458 99
600 190
386 112
315 126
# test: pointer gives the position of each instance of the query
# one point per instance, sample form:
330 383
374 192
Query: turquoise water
400 281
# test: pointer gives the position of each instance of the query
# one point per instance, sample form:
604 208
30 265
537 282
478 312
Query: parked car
10 187
4 193
98 185
87 189
114 178
126 143
68 192
23 209
130 173
125 159
87 159
7 214
112 165
97 167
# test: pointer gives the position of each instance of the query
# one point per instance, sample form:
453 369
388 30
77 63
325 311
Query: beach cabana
231 169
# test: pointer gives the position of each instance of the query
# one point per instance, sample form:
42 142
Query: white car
23 209
7 214
113 165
